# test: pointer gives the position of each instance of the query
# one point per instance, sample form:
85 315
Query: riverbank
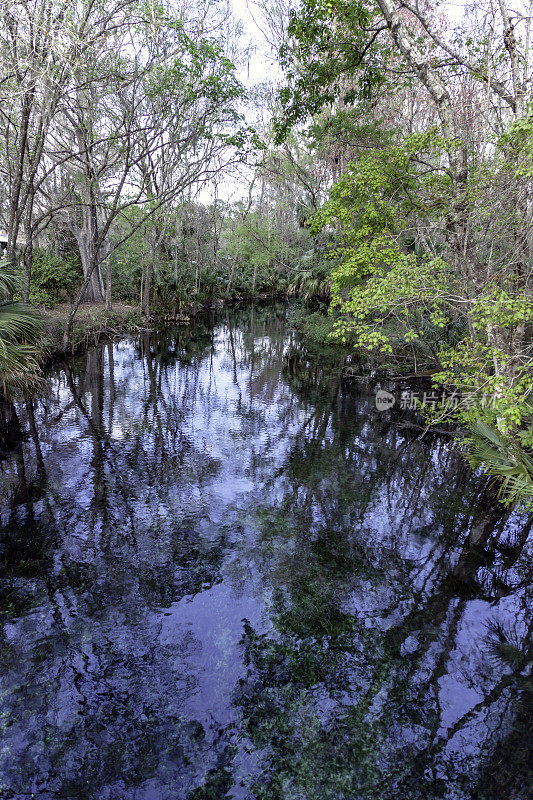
316 330
92 324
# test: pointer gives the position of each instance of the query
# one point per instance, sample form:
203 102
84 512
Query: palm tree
19 329
310 279
504 459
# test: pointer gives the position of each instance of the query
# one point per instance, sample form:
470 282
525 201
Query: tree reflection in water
225 574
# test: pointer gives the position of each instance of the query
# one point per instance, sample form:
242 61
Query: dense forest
382 175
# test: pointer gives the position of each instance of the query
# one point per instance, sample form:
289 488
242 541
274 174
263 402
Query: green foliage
376 278
499 397
505 459
255 246
315 329
330 54
201 77
263 255
310 278
127 262
19 329
390 291
517 142
54 278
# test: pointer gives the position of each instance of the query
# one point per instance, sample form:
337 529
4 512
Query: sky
261 64
260 67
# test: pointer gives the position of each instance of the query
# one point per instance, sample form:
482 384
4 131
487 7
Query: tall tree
379 45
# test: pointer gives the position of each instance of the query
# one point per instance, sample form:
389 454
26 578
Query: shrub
54 278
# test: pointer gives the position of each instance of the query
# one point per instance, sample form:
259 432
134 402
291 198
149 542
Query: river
225 574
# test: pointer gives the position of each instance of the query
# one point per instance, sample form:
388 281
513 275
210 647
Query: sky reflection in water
224 574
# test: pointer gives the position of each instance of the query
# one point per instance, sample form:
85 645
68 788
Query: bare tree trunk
15 209
77 303
28 245
86 238
254 279
157 250
108 287
145 296
232 273
28 263
108 277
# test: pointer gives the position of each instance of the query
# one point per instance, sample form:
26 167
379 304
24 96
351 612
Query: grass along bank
92 324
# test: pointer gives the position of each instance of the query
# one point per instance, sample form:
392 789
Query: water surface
224 574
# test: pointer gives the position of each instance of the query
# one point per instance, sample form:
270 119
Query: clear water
224 574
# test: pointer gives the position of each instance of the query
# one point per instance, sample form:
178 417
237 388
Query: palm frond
505 460
9 280
504 644
20 328
18 322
